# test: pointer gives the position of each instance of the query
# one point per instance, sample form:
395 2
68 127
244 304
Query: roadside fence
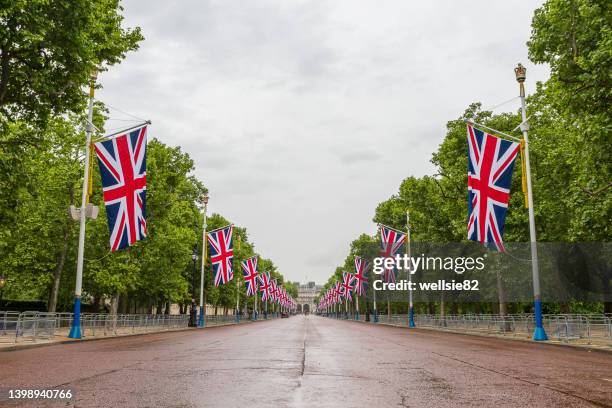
40 326
589 328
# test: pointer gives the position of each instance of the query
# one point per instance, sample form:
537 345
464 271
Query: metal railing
588 328
40 326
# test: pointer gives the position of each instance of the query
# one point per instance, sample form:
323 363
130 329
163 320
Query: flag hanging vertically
337 292
123 169
221 254
249 270
273 290
490 164
391 241
264 284
360 277
347 287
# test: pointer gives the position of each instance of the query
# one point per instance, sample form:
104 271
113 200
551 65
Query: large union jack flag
249 270
391 241
222 254
490 164
264 285
123 168
360 275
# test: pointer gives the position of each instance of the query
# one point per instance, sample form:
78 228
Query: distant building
306 295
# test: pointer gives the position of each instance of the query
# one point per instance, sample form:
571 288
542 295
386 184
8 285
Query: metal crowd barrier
589 328
35 326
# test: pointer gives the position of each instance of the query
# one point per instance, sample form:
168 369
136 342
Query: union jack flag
337 292
391 242
347 280
221 254
360 278
274 290
249 270
490 164
264 281
123 167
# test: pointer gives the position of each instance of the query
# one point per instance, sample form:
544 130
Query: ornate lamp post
192 311
2 285
201 321
539 334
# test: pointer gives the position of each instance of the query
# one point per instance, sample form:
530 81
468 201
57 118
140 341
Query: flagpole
374 300
201 320
408 249
255 305
75 330
539 333
346 306
356 306
237 287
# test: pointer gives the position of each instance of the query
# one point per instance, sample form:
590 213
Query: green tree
49 49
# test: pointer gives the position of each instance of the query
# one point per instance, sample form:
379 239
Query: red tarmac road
311 362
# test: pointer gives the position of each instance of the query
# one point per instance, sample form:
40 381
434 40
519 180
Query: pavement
309 361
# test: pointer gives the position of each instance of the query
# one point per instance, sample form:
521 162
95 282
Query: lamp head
521 73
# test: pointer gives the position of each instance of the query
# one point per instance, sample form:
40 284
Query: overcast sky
301 116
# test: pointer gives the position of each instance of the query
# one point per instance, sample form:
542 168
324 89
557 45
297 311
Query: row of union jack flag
221 258
351 283
122 164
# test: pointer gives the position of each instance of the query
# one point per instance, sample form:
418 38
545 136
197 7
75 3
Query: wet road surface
311 362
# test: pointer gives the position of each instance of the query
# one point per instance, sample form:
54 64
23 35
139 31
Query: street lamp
201 321
2 285
192 311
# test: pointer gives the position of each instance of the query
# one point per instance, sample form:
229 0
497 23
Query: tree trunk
431 308
113 310
442 310
503 307
57 274
96 304
122 303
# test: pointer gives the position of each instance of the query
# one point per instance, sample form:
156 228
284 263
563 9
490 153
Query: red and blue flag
391 241
249 270
360 275
490 163
123 168
221 254
264 284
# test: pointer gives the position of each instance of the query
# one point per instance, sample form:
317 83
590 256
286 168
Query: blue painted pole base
375 316
539 334
411 318
75 330
237 318
357 316
201 321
